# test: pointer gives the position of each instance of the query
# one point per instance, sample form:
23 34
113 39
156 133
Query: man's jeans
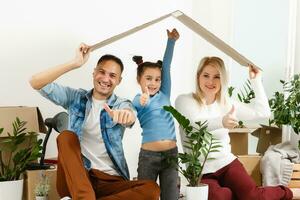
153 164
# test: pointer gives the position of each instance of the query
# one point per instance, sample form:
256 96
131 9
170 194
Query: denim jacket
78 103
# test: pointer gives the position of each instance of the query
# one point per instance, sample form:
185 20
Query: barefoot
296 193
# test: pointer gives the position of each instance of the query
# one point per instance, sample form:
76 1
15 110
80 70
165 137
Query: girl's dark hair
107 57
143 65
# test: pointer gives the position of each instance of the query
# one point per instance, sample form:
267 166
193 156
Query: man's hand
144 97
229 120
82 55
124 116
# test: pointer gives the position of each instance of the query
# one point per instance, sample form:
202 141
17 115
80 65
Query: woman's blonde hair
218 63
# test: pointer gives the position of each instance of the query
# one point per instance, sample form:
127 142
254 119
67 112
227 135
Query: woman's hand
173 34
229 120
253 71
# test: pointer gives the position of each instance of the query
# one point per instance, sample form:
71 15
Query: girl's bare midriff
161 145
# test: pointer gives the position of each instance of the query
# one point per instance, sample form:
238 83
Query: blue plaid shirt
78 103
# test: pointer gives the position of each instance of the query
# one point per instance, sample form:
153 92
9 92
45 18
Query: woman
225 175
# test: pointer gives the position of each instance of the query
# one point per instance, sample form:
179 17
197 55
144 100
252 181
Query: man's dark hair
107 57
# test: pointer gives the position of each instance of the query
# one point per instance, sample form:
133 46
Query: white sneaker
66 198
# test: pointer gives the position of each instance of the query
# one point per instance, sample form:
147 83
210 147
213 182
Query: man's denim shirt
78 104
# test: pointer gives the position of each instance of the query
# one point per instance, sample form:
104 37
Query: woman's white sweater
214 113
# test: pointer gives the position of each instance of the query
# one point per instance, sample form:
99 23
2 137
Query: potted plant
243 96
42 188
285 105
199 143
17 150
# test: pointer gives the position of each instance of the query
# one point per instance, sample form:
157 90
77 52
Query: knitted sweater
213 114
277 164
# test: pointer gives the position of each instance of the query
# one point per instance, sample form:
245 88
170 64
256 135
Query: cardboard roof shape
191 24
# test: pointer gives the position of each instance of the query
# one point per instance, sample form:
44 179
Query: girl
158 136
225 175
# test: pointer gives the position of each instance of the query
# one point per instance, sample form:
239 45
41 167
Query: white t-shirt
213 113
92 144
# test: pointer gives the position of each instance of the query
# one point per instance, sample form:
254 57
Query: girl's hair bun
138 59
159 62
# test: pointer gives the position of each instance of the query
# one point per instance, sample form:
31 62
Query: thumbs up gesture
229 120
145 97
123 116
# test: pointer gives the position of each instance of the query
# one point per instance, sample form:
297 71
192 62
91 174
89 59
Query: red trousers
75 181
233 183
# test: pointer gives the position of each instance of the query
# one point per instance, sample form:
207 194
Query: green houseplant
199 143
244 95
285 105
17 150
17 159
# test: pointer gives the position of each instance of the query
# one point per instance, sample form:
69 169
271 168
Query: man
91 162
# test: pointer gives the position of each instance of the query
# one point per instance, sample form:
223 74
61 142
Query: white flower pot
197 193
294 138
41 198
11 190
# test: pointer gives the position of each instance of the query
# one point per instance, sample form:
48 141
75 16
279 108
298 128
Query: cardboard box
252 166
239 140
267 136
31 179
31 115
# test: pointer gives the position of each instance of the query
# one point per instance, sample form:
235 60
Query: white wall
260 32
36 35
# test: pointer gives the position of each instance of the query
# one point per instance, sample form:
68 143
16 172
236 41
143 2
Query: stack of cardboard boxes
239 138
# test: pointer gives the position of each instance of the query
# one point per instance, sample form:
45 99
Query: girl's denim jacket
78 104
